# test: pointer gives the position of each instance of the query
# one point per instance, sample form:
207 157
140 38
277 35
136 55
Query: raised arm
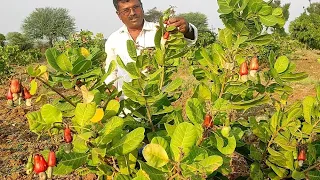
189 30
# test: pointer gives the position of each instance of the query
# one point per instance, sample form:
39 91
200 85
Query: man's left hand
179 22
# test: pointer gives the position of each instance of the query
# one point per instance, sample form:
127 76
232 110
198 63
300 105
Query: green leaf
170 129
229 148
51 55
84 112
94 72
152 172
132 70
240 40
111 68
81 67
129 142
255 172
273 176
112 129
243 5
250 103
170 28
308 103
275 121
132 93
50 114
195 111
298 175
40 70
156 75
265 10
221 105
277 12
307 128
240 59
132 49
276 77
68 84
281 172
313 175
36 123
312 154
318 91
112 108
196 154
224 7
293 76
289 160
183 138
127 162
155 155
293 114
159 56
161 141
225 37
175 84
120 62
95 153
119 176
261 40
157 38
271 20
33 87
210 164
79 142
236 89
69 162
281 64
285 143
203 92
64 63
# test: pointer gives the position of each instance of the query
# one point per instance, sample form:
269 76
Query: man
140 31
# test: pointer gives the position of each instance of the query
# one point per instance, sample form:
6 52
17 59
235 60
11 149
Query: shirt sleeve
195 31
111 55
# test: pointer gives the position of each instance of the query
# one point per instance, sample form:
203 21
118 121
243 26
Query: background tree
205 35
198 19
314 8
305 28
2 39
49 23
16 38
153 15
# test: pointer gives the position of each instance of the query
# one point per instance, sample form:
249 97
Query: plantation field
17 142
240 104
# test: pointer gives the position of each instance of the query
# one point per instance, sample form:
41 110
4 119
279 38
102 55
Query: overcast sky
99 15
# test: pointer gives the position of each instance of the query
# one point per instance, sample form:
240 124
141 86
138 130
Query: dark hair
116 3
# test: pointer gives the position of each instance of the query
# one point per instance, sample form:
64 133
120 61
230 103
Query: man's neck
134 32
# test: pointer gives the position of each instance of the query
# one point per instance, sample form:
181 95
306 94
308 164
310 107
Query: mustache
133 17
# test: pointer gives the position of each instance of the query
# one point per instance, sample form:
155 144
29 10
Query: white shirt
116 44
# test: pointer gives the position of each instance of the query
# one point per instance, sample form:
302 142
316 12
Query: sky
99 16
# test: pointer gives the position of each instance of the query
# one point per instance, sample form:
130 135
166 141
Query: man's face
131 13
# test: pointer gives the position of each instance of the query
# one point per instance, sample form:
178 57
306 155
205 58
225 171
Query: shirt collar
147 26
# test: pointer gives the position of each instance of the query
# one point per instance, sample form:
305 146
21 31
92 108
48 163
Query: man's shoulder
115 35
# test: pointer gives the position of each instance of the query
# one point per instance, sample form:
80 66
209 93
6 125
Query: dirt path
307 62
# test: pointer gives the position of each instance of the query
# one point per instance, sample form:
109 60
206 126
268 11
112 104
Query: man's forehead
127 4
